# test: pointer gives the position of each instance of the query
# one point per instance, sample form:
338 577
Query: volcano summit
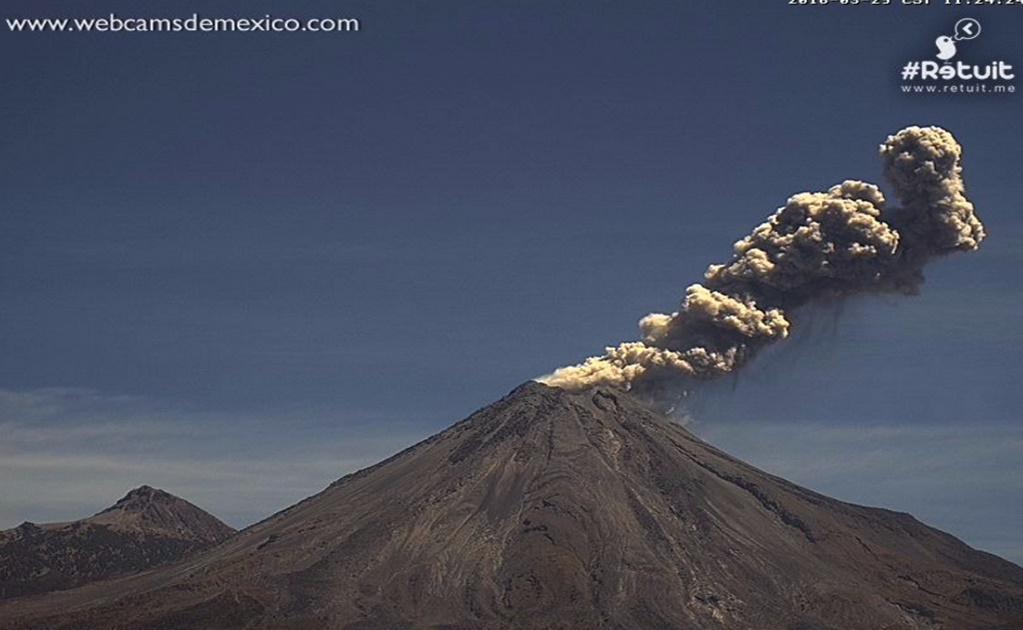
557 509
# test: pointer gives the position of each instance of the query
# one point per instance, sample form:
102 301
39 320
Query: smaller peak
141 498
28 529
143 491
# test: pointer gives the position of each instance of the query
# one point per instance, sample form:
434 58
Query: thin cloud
70 452
963 479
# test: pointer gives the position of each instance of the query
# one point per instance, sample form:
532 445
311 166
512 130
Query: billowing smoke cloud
818 246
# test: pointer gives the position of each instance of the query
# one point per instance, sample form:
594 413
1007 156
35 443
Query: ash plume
818 246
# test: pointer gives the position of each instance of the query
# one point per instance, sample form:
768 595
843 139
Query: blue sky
239 266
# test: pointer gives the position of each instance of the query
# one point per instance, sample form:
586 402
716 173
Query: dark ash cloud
818 246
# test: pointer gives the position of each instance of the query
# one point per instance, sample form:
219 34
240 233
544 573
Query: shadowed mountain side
147 527
551 509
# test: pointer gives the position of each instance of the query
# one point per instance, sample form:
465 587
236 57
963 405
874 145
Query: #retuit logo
948 75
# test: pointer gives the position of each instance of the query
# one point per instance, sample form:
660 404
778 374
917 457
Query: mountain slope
145 528
557 510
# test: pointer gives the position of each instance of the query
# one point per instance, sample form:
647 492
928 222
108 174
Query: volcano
558 510
145 528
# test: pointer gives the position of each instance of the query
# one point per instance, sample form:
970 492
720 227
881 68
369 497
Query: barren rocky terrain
146 528
556 510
